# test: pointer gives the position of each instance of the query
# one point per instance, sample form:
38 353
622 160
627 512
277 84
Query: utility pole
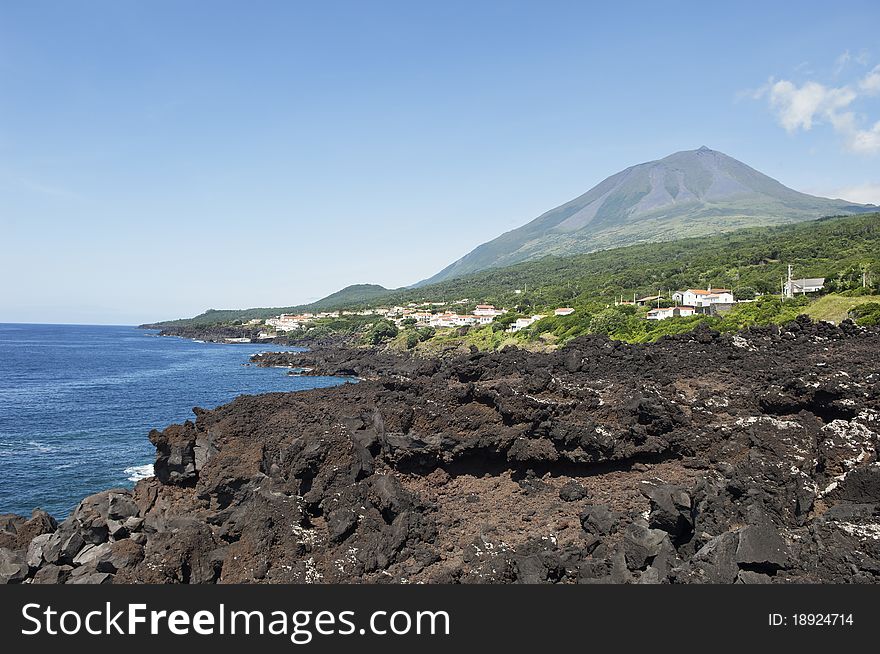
789 290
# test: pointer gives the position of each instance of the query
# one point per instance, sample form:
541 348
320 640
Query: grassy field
834 308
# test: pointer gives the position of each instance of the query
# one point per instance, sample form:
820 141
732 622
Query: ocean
77 403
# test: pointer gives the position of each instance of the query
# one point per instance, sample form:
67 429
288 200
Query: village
683 303
430 314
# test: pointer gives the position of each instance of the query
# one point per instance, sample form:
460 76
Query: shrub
608 321
866 315
382 331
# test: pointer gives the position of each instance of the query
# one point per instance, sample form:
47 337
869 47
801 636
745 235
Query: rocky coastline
215 333
703 458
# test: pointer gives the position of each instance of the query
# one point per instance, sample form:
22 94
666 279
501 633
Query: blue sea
77 403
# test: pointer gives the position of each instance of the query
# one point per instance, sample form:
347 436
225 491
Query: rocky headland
748 458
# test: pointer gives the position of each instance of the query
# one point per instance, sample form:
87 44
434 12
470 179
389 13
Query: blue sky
160 158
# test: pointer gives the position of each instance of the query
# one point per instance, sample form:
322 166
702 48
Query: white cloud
797 107
866 141
870 83
862 193
800 107
841 62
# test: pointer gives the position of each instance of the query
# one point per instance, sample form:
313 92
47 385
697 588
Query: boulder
116 530
670 510
35 550
87 574
598 519
714 563
340 524
51 574
861 486
749 577
121 507
572 491
641 544
761 548
70 547
118 556
13 567
16 532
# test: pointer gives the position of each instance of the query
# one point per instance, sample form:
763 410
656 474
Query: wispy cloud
800 107
864 193
42 189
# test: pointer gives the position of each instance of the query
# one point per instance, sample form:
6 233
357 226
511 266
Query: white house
487 310
650 299
288 322
442 320
522 323
452 320
671 312
810 285
563 311
695 297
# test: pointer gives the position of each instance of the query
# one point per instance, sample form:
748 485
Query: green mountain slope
839 249
691 193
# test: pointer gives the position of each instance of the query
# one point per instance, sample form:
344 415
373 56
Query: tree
502 322
744 293
608 321
382 331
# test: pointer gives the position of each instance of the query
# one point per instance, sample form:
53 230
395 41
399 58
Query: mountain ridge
688 193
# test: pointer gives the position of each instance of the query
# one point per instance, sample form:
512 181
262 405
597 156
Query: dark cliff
701 458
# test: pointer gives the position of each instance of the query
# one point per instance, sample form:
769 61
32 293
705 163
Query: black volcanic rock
700 458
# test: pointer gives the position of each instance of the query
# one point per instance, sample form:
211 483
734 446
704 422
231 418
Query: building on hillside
452 320
522 323
442 320
487 310
695 297
671 312
804 286
421 316
563 311
648 300
285 322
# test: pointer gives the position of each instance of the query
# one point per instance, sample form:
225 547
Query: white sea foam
136 473
42 448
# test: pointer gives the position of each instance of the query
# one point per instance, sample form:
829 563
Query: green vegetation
747 261
614 213
867 314
357 294
628 323
835 308
751 262
381 331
